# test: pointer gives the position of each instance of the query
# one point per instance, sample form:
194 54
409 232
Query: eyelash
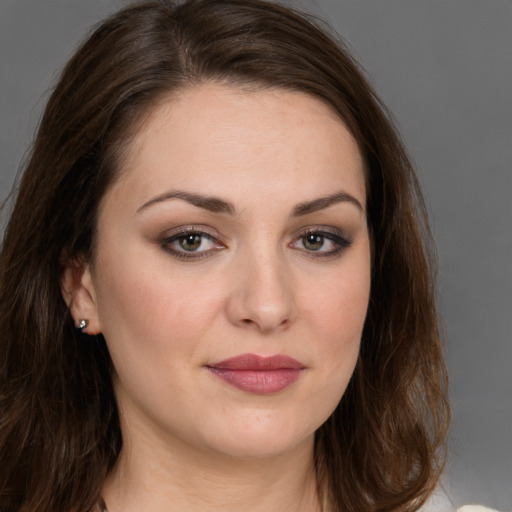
334 236
190 255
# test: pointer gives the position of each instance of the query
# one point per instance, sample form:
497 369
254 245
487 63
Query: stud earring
82 324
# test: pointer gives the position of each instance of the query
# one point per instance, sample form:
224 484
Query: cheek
339 310
151 311
338 316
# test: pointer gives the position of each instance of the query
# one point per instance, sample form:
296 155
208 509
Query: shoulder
475 508
440 501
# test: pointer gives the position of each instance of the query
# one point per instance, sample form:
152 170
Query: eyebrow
210 203
218 205
324 202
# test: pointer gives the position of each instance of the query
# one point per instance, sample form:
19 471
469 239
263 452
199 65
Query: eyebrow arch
210 203
217 205
324 202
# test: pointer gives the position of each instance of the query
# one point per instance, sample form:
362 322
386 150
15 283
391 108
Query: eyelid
323 230
191 228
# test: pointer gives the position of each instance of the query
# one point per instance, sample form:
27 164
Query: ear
77 289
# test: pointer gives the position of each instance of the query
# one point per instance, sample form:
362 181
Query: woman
216 284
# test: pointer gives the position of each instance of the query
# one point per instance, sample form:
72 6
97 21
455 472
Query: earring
82 324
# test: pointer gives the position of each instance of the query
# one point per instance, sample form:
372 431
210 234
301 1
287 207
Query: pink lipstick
258 374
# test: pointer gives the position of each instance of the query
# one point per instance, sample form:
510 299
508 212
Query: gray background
444 68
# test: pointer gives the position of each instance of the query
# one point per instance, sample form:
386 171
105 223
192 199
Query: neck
173 477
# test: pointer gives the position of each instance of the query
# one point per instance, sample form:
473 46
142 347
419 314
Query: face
232 272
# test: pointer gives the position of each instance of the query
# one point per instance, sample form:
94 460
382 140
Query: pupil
313 242
190 242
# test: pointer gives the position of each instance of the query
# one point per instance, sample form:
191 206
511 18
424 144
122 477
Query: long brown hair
382 448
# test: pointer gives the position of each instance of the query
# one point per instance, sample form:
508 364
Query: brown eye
313 241
190 242
321 242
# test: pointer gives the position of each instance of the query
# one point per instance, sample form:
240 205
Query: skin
255 284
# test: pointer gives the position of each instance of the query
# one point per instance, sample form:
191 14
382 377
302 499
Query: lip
258 374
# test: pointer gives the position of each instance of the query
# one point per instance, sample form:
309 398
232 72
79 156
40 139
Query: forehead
221 139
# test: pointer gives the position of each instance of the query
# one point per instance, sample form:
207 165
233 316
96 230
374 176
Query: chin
269 447
261 437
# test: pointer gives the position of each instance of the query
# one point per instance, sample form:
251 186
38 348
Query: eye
191 243
321 242
313 241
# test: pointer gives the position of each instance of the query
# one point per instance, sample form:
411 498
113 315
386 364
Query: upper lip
258 363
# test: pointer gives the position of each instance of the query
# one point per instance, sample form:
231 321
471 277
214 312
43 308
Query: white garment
475 508
440 502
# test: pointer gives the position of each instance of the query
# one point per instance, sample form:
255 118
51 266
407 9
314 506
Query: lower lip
260 382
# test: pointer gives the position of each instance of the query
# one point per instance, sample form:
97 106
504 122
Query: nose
262 297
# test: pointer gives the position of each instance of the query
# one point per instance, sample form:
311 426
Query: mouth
257 374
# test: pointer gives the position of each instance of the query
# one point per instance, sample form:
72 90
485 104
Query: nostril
261 304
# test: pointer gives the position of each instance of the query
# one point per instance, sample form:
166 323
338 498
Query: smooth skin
238 226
